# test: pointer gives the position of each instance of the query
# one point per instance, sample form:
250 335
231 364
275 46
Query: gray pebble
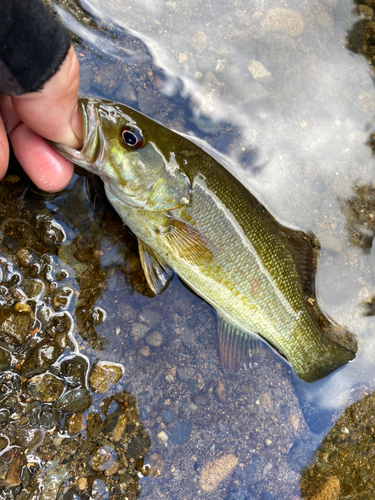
139 330
155 339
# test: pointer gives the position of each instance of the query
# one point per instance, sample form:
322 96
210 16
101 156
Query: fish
192 217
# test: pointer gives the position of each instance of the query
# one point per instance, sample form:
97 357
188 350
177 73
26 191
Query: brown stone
330 490
104 375
215 472
287 21
199 41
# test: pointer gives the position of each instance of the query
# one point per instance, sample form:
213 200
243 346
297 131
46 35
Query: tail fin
333 357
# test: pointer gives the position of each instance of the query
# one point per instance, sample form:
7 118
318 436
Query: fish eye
132 138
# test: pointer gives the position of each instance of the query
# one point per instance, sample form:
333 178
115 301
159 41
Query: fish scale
191 216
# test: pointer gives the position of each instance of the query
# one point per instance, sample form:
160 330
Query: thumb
53 111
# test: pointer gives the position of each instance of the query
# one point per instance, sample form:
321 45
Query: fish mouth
91 155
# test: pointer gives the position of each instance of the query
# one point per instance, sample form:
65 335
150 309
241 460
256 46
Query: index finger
53 112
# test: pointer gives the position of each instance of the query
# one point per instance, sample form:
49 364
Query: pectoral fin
187 242
236 345
157 273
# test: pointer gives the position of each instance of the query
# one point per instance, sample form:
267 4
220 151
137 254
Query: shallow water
297 133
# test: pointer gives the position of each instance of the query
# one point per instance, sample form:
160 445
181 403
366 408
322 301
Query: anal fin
236 345
158 274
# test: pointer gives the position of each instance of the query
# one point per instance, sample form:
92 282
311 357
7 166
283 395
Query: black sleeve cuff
33 45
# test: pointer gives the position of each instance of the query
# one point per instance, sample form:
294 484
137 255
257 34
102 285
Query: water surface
283 95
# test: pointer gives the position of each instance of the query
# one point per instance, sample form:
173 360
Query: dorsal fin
236 345
188 242
158 274
304 248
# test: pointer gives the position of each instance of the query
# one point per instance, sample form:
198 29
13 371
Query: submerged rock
215 472
76 400
102 458
104 375
45 387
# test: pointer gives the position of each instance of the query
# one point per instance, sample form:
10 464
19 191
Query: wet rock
41 358
294 422
55 475
215 472
76 400
220 391
208 96
32 287
102 458
139 445
10 388
163 438
25 257
45 417
66 254
5 359
252 471
99 490
82 483
180 432
150 317
45 387
365 11
199 41
155 339
10 468
75 423
289 22
139 330
14 327
21 307
29 438
326 489
73 370
61 298
145 351
71 494
104 375
259 72
119 427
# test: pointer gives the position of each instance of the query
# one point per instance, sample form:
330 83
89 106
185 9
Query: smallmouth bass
191 216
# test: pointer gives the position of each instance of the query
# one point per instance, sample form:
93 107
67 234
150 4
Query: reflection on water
273 87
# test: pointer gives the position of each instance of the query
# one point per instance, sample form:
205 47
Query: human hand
51 113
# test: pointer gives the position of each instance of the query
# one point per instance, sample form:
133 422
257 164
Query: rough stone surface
215 472
104 375
289 22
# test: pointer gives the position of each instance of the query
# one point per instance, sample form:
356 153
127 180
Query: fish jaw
91 156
